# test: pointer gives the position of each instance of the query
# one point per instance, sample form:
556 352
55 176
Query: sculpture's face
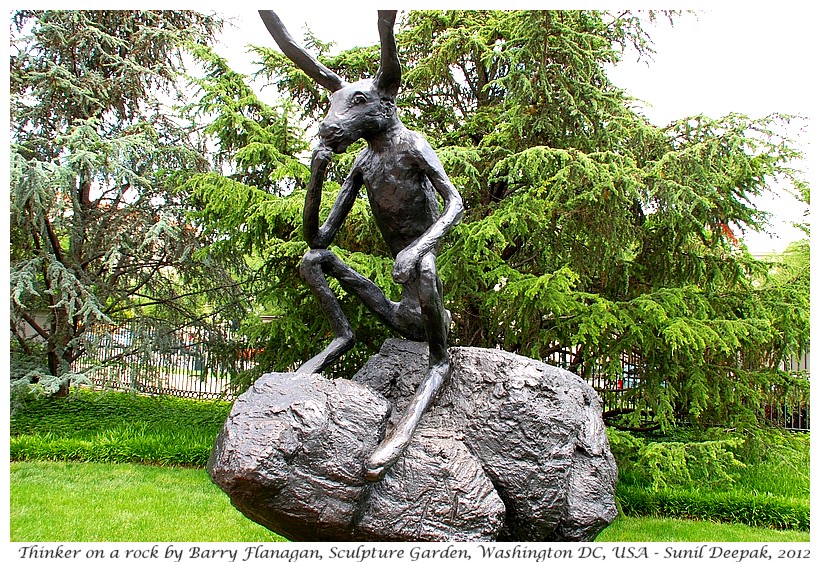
357 111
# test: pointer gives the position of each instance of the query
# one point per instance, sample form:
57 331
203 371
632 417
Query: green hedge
759 478
86 412
117 427
728 507
120 444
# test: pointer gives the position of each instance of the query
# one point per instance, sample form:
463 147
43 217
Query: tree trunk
59 352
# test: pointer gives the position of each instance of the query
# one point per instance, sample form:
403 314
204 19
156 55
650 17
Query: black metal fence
790 409
142 359
118 358
620 392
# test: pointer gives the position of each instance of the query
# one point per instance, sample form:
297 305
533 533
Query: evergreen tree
98 232
589 234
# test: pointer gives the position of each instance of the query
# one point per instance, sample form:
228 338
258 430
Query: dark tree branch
33 323
20 339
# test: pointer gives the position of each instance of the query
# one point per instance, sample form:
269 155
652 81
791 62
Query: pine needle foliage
589 232
98 235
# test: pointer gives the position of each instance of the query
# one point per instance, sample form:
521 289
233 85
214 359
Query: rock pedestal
513 450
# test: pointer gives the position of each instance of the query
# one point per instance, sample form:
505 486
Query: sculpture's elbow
457 210
314 239
322 239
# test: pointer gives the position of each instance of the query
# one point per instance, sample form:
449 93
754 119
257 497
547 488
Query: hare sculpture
403 179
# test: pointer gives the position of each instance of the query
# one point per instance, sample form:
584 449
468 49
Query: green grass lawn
652 529
91 502
100 502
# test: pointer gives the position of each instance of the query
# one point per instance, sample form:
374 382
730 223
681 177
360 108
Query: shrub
117 427
715 475
89 411
757 511
658 464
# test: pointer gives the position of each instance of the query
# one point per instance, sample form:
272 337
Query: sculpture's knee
428 281
312 263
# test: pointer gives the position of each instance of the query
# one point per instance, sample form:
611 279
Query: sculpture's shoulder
416 140
417 146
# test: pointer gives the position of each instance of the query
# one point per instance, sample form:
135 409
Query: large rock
513 450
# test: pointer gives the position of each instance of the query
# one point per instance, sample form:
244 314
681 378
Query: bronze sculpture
402 175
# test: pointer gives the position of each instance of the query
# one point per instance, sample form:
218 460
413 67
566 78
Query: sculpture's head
358 110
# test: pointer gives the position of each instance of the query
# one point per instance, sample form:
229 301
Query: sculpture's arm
320 237
453 211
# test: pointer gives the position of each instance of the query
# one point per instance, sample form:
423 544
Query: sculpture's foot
392 447
335 349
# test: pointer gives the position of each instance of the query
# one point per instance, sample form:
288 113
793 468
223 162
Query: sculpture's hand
322 156
405 264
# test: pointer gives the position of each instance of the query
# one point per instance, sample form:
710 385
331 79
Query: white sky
754 61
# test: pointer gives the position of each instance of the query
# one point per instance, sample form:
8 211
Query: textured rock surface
291 457
513 450
536 430
291 452
437 491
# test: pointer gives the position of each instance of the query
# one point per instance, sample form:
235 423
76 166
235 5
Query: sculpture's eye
358 99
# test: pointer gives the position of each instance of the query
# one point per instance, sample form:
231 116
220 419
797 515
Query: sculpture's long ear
301 58
388 77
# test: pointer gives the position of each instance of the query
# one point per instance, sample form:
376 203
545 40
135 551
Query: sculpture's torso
401 196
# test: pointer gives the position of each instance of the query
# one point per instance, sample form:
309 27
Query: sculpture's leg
434 318
316 266
312 270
